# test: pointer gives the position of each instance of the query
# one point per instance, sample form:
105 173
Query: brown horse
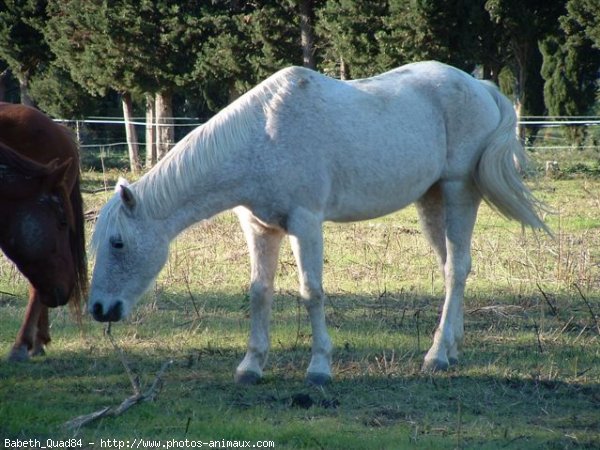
41 218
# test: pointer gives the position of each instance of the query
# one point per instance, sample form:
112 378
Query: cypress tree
22 45
347 32
570 69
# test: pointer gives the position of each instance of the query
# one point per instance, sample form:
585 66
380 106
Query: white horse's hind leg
306 237
433 222
432 218
263 244
461 201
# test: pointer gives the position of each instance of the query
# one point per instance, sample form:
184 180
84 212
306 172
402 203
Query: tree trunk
530 86
78 131
24 88
343 69
307 35
521 52
130 133
164 123
3 80
150 131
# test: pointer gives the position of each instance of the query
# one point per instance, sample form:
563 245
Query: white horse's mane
199 151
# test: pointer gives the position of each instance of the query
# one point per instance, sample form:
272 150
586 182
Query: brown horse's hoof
37 350
18 354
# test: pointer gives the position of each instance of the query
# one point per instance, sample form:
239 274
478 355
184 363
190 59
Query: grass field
529 376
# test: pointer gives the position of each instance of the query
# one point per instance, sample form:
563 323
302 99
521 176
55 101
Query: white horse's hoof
317 379
435 365
247 377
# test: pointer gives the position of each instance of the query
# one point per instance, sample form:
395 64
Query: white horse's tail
497 173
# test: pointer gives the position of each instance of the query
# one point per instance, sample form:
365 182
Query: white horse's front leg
306 237
263 244
461 202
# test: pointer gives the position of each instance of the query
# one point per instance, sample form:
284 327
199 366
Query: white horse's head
130 251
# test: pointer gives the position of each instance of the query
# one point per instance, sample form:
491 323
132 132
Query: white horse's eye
116 242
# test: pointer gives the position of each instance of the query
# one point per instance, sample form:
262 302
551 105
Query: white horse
301 148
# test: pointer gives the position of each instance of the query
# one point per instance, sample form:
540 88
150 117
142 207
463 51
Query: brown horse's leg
43 333
28 333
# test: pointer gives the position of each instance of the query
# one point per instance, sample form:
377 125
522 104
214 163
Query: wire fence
561 132
567 141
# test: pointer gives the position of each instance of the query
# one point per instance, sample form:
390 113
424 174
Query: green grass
529 376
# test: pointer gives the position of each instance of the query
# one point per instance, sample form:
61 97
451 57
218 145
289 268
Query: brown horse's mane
78 249
23 165
77 234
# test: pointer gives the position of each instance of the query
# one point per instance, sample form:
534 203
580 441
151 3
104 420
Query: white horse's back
365 148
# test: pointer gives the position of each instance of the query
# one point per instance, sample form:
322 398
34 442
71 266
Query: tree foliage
570 68
204 54
125 45
525 25
249 41
587 14
21 44
347 31
449 31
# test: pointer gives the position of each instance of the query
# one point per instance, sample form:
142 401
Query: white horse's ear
127 197
121 182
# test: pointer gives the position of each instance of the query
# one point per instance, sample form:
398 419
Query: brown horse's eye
57 205
116 242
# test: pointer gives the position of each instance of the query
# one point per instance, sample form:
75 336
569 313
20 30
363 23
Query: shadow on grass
499 397
470 410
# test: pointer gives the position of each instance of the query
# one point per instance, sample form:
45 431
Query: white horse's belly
348 211
363 200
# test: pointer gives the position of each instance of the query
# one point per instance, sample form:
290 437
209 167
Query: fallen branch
552 307
95 191
10 294
501 310
137 397
135 380
91 215
537 334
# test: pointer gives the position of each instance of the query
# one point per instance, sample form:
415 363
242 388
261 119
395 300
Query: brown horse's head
37 224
